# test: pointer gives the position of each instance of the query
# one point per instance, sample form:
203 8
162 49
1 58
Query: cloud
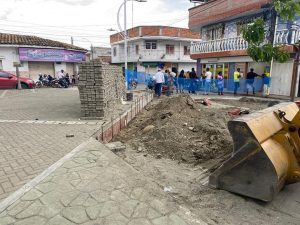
4 15
73 2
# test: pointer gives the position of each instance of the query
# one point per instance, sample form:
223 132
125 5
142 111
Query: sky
87 21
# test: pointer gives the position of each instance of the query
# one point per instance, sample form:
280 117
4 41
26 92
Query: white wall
155 54
186 66
281 78
9 55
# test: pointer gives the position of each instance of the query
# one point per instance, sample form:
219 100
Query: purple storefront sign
50 55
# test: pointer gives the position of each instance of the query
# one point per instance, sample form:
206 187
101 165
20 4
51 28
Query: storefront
50 61
38 55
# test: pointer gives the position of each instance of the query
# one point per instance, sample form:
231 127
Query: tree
258 49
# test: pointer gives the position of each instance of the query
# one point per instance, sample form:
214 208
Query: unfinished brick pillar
101 86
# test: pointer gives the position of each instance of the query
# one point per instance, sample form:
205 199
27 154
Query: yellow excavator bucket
266 153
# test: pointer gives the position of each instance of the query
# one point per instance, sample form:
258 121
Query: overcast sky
86 20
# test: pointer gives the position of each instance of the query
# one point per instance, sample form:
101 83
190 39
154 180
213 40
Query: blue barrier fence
200 85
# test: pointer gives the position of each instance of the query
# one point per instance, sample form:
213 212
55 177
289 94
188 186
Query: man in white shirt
159 79
60 74
208 76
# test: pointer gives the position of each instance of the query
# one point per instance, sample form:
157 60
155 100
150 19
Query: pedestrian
170 83
181 78
73 80
193 78
266 84
220 83
67 78
208 76
236 80
173 73
159 79
250 81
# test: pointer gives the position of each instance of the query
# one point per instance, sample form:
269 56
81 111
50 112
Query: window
215 32
170 49
151 45
186 50
114 51
137 49
1 66
5 75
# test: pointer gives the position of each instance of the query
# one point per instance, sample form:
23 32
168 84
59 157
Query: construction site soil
177 143
180 129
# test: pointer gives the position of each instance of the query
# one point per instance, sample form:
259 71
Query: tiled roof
16 39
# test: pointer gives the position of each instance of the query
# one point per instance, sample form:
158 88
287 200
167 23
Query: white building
152 46
38 55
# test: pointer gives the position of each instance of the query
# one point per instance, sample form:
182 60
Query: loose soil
180 129
177 142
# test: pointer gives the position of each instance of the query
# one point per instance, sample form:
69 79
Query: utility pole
17 65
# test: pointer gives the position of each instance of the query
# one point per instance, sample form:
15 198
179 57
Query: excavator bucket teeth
263 158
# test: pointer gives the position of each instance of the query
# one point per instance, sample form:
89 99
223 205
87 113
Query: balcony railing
219 45
153 55
288 36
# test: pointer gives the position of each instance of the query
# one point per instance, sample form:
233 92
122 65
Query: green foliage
254 34
280 54
287 9
266 52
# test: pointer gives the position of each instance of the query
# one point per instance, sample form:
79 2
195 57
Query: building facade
38 55
222 47
153 46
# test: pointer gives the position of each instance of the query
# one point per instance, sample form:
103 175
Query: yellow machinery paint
266 153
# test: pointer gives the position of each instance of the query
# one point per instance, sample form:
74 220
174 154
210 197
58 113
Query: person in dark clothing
193 77
250 80
181 78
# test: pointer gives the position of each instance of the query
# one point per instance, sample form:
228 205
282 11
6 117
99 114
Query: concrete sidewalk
94 186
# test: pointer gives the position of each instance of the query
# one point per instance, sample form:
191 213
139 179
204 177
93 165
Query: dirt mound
180 129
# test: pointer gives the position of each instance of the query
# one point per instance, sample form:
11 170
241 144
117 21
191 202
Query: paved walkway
37 128
96 187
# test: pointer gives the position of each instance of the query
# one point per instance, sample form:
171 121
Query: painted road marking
3 94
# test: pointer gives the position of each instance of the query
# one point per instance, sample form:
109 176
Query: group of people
237 75
63 79
168 81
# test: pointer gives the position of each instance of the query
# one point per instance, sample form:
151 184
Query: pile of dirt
180 129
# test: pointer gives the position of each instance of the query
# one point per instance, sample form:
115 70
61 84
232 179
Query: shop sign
50 55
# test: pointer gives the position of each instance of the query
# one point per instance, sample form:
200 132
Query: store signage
50 55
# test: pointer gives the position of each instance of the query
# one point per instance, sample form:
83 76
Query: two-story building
222 47
152 46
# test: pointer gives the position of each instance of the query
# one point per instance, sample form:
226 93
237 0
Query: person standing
208 76
159 79
170 83
266 81
250 81
236 80
220 83
193 77
60 75
181 78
